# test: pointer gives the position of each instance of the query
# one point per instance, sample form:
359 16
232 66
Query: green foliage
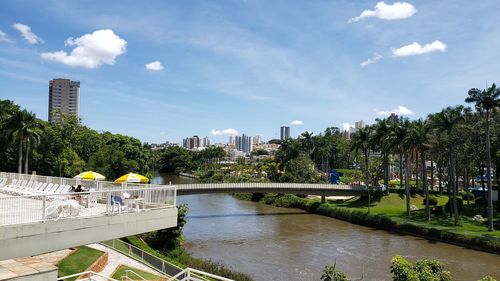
433 201
300 170
70 163
169 239
422 270
468 196
460 204
330 273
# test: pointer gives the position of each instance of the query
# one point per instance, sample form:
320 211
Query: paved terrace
292 188
40 223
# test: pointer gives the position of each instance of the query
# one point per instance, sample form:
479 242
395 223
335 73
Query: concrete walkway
116 259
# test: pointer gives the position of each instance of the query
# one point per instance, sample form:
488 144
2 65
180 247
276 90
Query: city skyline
223 68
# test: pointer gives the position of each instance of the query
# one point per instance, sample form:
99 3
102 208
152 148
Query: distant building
191 143
64 98
284 133
357 125
205 142
231 140
243 143
257 140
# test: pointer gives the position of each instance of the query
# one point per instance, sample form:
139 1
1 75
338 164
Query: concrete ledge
43 237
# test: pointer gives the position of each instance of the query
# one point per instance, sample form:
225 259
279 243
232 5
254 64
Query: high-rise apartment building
195 142
243 143
64 98
284 133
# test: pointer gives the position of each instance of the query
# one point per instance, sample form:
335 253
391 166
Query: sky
165 70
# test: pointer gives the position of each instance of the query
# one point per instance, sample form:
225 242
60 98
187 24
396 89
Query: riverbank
182 259
388 213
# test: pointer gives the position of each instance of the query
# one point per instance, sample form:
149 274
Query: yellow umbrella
131 177
90 176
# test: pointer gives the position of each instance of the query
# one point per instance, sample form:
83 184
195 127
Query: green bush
487 278
433 201
460 205
404 270
330 273
468 196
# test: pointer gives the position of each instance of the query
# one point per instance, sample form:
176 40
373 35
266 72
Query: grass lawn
120 272
78 261
394 206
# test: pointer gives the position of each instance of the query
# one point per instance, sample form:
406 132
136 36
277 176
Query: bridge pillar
323 198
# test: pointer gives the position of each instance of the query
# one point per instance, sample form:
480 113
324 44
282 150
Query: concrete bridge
289 188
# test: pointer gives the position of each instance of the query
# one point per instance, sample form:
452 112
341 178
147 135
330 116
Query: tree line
65 148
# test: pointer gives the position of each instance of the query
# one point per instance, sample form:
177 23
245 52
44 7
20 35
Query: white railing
160 265
45 207
271 186
88 276
190 274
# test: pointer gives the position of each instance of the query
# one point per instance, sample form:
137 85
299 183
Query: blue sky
246 66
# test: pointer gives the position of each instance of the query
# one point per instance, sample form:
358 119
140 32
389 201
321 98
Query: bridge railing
272 186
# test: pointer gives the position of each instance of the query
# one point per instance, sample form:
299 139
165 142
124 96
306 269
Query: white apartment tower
64 98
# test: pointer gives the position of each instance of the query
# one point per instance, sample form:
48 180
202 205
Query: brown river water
283 244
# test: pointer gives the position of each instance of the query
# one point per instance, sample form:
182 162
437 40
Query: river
283 244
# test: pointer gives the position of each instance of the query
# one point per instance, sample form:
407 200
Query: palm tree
398 139
447 121
381 138
23 126
361 140
307 142
487 101
419 137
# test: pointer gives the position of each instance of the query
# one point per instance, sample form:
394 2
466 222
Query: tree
381 138
70 163
447 122
307 142
419 138
361 140
175 159
400 141
23 127
300 170
169 239
487 101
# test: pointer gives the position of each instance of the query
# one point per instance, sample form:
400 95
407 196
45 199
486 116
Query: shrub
487 278
468 196
433 201
404 270
460 205
330 273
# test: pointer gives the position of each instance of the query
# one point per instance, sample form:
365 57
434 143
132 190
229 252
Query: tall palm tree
447 121
381 138
23 125
419 137
361 140
487 101
398 139
307 141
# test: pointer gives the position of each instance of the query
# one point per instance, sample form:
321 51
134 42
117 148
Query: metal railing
164 267
191 274
45 207
272 186
87 276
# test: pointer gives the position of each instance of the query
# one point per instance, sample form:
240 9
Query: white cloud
296 122
347 126
28 35
3 37
91 50
396 11
417 49
226 132
376 57
401 110
154 66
